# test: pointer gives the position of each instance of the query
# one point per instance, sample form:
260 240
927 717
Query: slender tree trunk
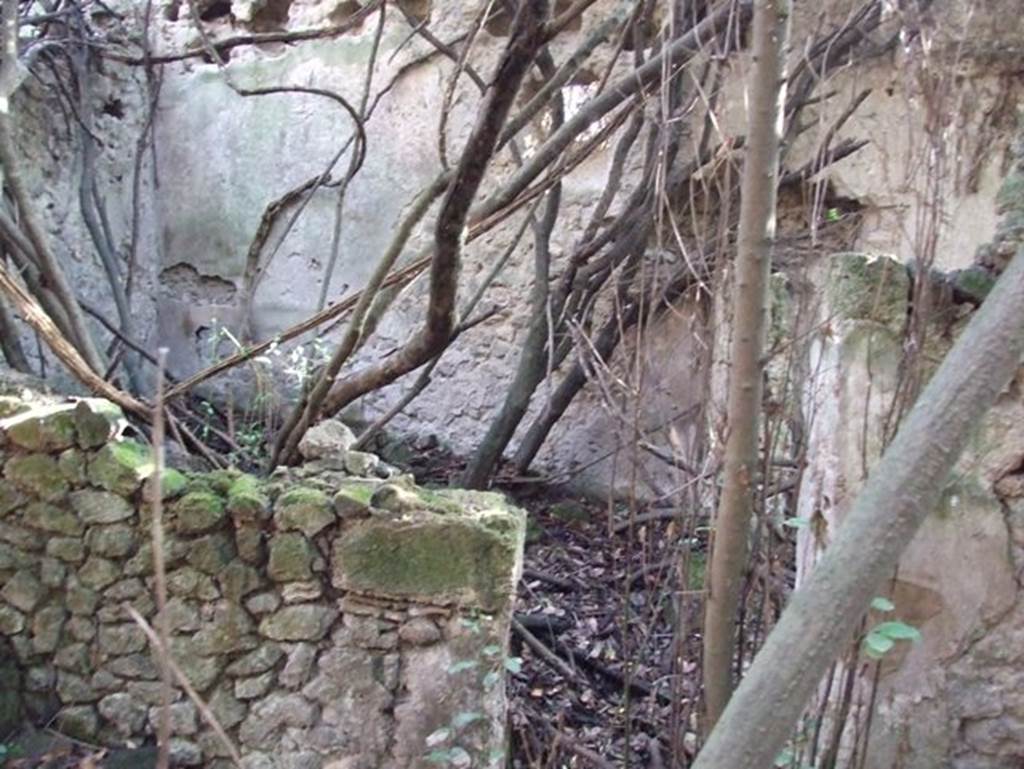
766 95
904 487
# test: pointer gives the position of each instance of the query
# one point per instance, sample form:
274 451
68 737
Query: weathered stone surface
263 603
361 463
256 662
111 541
192 583
52 572
470 559
119 640
211 554
228 710
97 421
37 474
202 671
330 437
251 688
53 519
79 722
291 557
353 501
237 580
184 718
172 485
12 621
198 512
81 629
100 506
308 622
43 429
72 464
121 467
300 662
23 591
10 498
74 689
249 541
261 728
136 666
124 589
81 599
184 752
47 624
303 509
419 631
66 549
74 658
97 573
40 679
230 630
302 592
127 714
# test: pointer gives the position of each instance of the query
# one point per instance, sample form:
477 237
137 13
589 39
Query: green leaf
898 631
458 667
878 603
465 719
491 650
439 756
798 522
513 664
491 679
832 215
876 645
495 756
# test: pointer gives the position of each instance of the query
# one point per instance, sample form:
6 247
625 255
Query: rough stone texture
954 698
310 656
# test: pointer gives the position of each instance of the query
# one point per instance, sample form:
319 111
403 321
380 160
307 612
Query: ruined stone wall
329 621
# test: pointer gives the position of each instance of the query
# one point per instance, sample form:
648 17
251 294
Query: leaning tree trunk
750 301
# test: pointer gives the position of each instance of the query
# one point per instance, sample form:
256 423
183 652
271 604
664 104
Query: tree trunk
750 300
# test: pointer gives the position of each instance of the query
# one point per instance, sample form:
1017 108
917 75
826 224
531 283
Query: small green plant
880 640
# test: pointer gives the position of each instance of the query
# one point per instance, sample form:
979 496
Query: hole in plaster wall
271 15
186 283
216 10
113 107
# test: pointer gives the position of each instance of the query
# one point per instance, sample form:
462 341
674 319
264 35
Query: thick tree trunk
904 487
750 301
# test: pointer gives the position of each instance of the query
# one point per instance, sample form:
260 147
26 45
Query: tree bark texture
766 97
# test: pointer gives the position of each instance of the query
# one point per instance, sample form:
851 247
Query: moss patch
37 474
436 558
121 467
198 511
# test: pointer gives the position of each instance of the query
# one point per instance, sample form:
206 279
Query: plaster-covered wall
329 621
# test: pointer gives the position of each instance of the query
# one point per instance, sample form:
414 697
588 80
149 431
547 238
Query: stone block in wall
468 557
